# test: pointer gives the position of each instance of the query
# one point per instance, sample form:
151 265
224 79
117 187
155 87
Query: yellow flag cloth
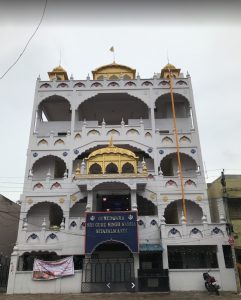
112 49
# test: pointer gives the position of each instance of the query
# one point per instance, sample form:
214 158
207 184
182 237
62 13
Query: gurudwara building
114 179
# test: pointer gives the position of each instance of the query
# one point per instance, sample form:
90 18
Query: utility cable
28 42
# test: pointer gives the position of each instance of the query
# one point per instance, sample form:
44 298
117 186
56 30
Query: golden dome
166 70
111 149
113 157
59 69
58 73
114 71
169 66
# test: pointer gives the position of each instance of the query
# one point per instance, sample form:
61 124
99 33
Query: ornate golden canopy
170 68
114 71
58 73
123 160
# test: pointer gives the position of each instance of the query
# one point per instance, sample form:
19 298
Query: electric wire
28 42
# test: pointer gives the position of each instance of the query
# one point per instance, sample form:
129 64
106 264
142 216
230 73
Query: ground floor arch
110 266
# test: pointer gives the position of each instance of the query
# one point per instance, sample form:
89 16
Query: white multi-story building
104 184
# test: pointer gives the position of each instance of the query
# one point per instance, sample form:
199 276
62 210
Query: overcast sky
203 40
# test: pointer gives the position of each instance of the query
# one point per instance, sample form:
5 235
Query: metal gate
108 275
4 269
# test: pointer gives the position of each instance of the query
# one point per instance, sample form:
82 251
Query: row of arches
44 142
111 107
114 132
52 213
57 168
112 83
111 168
169 184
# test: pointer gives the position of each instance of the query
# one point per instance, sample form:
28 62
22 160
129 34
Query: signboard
111 226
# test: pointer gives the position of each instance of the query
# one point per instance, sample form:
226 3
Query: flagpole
112 49
178 148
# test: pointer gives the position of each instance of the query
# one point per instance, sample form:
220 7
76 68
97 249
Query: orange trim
178 149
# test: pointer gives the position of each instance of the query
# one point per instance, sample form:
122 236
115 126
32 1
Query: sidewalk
124 296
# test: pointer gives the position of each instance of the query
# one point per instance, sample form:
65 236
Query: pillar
133 200
136 268
89 205
12 270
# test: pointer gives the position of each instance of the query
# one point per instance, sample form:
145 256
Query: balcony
193 233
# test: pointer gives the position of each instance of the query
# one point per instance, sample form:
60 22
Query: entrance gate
4 269
108 275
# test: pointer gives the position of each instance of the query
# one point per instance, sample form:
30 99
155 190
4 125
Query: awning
150 247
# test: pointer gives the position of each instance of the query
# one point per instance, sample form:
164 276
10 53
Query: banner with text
47 270
111 226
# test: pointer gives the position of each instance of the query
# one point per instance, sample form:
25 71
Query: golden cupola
111 159
169 68
114 71
58 73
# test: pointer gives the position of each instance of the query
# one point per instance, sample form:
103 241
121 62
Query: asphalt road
123 296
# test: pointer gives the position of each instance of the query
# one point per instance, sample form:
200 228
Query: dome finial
168 62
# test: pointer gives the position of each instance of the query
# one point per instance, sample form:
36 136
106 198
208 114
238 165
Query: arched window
95 169
128 168
112 169
146 207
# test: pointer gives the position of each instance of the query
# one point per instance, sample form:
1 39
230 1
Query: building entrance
109 269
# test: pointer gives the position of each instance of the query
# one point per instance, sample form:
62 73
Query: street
121 296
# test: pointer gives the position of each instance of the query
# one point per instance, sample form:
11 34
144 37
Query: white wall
44 128
25 285
167 124
192 280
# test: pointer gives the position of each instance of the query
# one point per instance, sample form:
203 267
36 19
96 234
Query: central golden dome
114 71
111 149
111 155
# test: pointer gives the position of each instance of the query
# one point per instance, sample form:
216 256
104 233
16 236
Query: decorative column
89 205
163 234
12 270
136 268
133 200
73 115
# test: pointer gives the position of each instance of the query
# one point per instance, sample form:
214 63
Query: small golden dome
169 66
114 71
165 72
59 73
59 69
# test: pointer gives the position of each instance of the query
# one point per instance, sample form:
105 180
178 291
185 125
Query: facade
114 177
233 198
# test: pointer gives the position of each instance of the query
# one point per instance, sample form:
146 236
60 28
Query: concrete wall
44 128
25 285
9 218
192 280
